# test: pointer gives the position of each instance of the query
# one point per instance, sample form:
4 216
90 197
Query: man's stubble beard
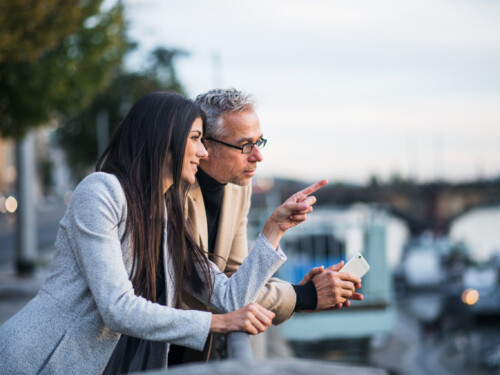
241 181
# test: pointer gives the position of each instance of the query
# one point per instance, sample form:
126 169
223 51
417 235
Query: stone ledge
277 366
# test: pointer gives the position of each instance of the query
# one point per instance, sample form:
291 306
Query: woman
124 245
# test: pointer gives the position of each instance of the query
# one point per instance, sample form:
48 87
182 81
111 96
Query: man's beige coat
231 246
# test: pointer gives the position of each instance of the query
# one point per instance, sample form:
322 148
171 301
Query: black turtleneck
213 192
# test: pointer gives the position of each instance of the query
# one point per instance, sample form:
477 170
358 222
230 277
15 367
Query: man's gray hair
218 102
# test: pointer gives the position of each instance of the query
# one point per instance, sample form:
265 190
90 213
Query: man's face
227 164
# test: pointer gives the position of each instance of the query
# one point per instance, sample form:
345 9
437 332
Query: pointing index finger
311 189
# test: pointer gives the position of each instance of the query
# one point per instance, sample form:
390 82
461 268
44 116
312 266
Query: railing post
238 346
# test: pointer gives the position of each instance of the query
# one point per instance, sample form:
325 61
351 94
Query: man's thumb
337 267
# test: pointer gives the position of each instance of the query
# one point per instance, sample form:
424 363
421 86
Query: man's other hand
334 288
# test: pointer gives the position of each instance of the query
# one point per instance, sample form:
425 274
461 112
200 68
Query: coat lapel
225 231
197 215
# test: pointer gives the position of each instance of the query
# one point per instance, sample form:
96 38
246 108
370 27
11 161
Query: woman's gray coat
87 301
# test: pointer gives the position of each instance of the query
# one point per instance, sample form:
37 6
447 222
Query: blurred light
67 197
470 296
10 174
2 205
11 204
263 184
91 22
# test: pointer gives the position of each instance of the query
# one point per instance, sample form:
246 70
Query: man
219 202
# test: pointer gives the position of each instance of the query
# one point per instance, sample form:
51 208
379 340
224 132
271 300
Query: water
478 230
427 333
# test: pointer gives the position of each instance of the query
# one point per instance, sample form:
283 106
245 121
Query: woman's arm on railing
252 318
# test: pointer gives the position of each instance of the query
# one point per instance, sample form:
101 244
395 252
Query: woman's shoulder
100 185
99 178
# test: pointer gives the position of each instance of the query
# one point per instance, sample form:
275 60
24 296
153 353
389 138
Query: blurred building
7 167
52 178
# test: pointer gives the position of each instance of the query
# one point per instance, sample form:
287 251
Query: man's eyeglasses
245 149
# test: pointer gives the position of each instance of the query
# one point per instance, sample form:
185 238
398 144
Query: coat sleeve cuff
278 251
201 322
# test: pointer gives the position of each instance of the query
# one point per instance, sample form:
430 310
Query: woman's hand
292 212
252 318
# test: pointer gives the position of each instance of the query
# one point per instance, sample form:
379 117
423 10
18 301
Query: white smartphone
357 265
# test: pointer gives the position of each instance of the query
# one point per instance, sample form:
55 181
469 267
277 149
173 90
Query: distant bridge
432 206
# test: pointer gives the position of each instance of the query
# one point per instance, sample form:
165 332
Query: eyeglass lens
249 146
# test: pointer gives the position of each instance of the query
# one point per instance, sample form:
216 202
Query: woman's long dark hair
148 144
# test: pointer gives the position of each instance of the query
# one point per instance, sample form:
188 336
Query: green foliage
54 56
28 28
78 134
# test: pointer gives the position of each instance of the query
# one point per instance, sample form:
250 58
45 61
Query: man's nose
256 155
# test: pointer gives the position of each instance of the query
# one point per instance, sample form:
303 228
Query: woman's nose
202 151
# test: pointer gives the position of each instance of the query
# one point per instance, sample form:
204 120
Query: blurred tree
396 179
54 56
78 135
374 180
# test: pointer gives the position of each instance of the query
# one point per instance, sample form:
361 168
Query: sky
346 89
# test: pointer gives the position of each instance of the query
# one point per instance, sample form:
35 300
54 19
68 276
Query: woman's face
194 152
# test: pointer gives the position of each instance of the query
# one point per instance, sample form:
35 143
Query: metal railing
238 346
238 358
